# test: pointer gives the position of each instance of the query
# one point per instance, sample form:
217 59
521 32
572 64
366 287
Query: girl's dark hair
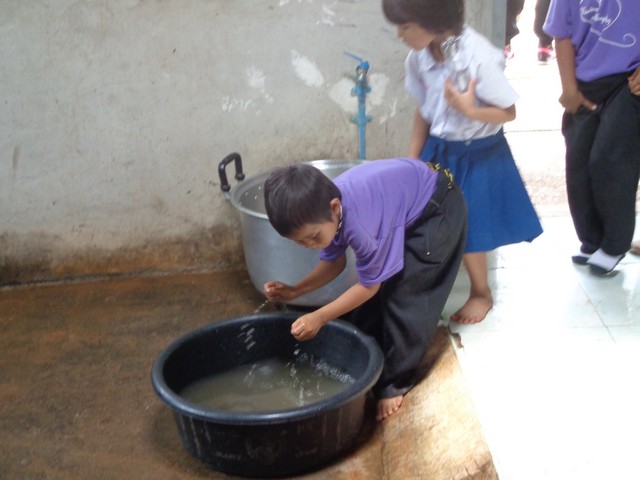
437 16
298 195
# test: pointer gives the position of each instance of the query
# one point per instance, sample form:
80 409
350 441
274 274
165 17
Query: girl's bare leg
480 300
388 406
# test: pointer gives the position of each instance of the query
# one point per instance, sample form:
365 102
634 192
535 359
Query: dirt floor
76 400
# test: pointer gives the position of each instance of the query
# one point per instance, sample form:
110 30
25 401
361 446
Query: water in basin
268 385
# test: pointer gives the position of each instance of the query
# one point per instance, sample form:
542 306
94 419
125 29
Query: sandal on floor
545 54
581 258
599 271
602 264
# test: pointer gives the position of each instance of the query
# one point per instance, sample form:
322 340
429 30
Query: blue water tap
360 90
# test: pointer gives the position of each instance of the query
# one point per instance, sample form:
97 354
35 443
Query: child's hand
278 291
634 82
572 101
464 102
306 327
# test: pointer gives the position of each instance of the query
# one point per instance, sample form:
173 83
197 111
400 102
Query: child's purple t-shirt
604 33
380 200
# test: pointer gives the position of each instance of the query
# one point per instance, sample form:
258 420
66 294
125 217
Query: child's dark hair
437 16
298 195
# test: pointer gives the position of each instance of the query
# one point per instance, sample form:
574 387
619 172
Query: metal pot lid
247 196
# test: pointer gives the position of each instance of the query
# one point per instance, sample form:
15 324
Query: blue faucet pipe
360 90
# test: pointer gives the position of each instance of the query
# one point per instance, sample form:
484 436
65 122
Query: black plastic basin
274 443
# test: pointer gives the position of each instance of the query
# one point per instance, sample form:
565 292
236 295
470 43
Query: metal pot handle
224 183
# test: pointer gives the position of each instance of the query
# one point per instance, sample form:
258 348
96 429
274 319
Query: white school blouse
425 80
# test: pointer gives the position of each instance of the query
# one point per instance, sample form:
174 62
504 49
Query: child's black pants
603 165
404 314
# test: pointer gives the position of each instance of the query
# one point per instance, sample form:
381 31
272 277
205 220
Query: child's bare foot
388 406
474 310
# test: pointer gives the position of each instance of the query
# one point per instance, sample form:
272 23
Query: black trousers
514 8
542 7
404 314
603 165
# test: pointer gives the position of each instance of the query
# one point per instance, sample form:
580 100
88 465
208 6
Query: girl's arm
465 103
307 326
419 135
571 98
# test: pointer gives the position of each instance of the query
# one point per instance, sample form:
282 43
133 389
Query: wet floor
76 400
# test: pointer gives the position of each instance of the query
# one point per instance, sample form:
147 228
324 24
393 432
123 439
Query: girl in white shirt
457 77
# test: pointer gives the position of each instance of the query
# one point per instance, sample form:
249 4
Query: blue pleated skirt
500 210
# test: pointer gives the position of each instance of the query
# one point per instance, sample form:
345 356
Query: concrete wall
115 113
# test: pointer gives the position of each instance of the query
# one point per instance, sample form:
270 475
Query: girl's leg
480 300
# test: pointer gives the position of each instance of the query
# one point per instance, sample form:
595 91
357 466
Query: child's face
319 235
315 235
415 36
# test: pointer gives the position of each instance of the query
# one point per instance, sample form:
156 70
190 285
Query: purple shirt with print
380 200
605 34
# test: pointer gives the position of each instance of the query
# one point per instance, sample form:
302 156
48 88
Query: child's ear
335 205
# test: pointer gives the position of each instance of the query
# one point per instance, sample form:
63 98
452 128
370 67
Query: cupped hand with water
279 292
307 326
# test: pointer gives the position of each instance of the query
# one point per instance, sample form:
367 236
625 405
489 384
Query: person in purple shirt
406 224
598 53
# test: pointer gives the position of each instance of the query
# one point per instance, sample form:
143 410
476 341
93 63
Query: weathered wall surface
115 114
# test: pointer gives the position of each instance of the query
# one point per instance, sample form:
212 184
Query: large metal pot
270 256
268 443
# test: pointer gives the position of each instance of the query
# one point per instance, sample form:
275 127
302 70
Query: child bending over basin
406 224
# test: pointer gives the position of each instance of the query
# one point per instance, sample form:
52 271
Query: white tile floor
553 370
